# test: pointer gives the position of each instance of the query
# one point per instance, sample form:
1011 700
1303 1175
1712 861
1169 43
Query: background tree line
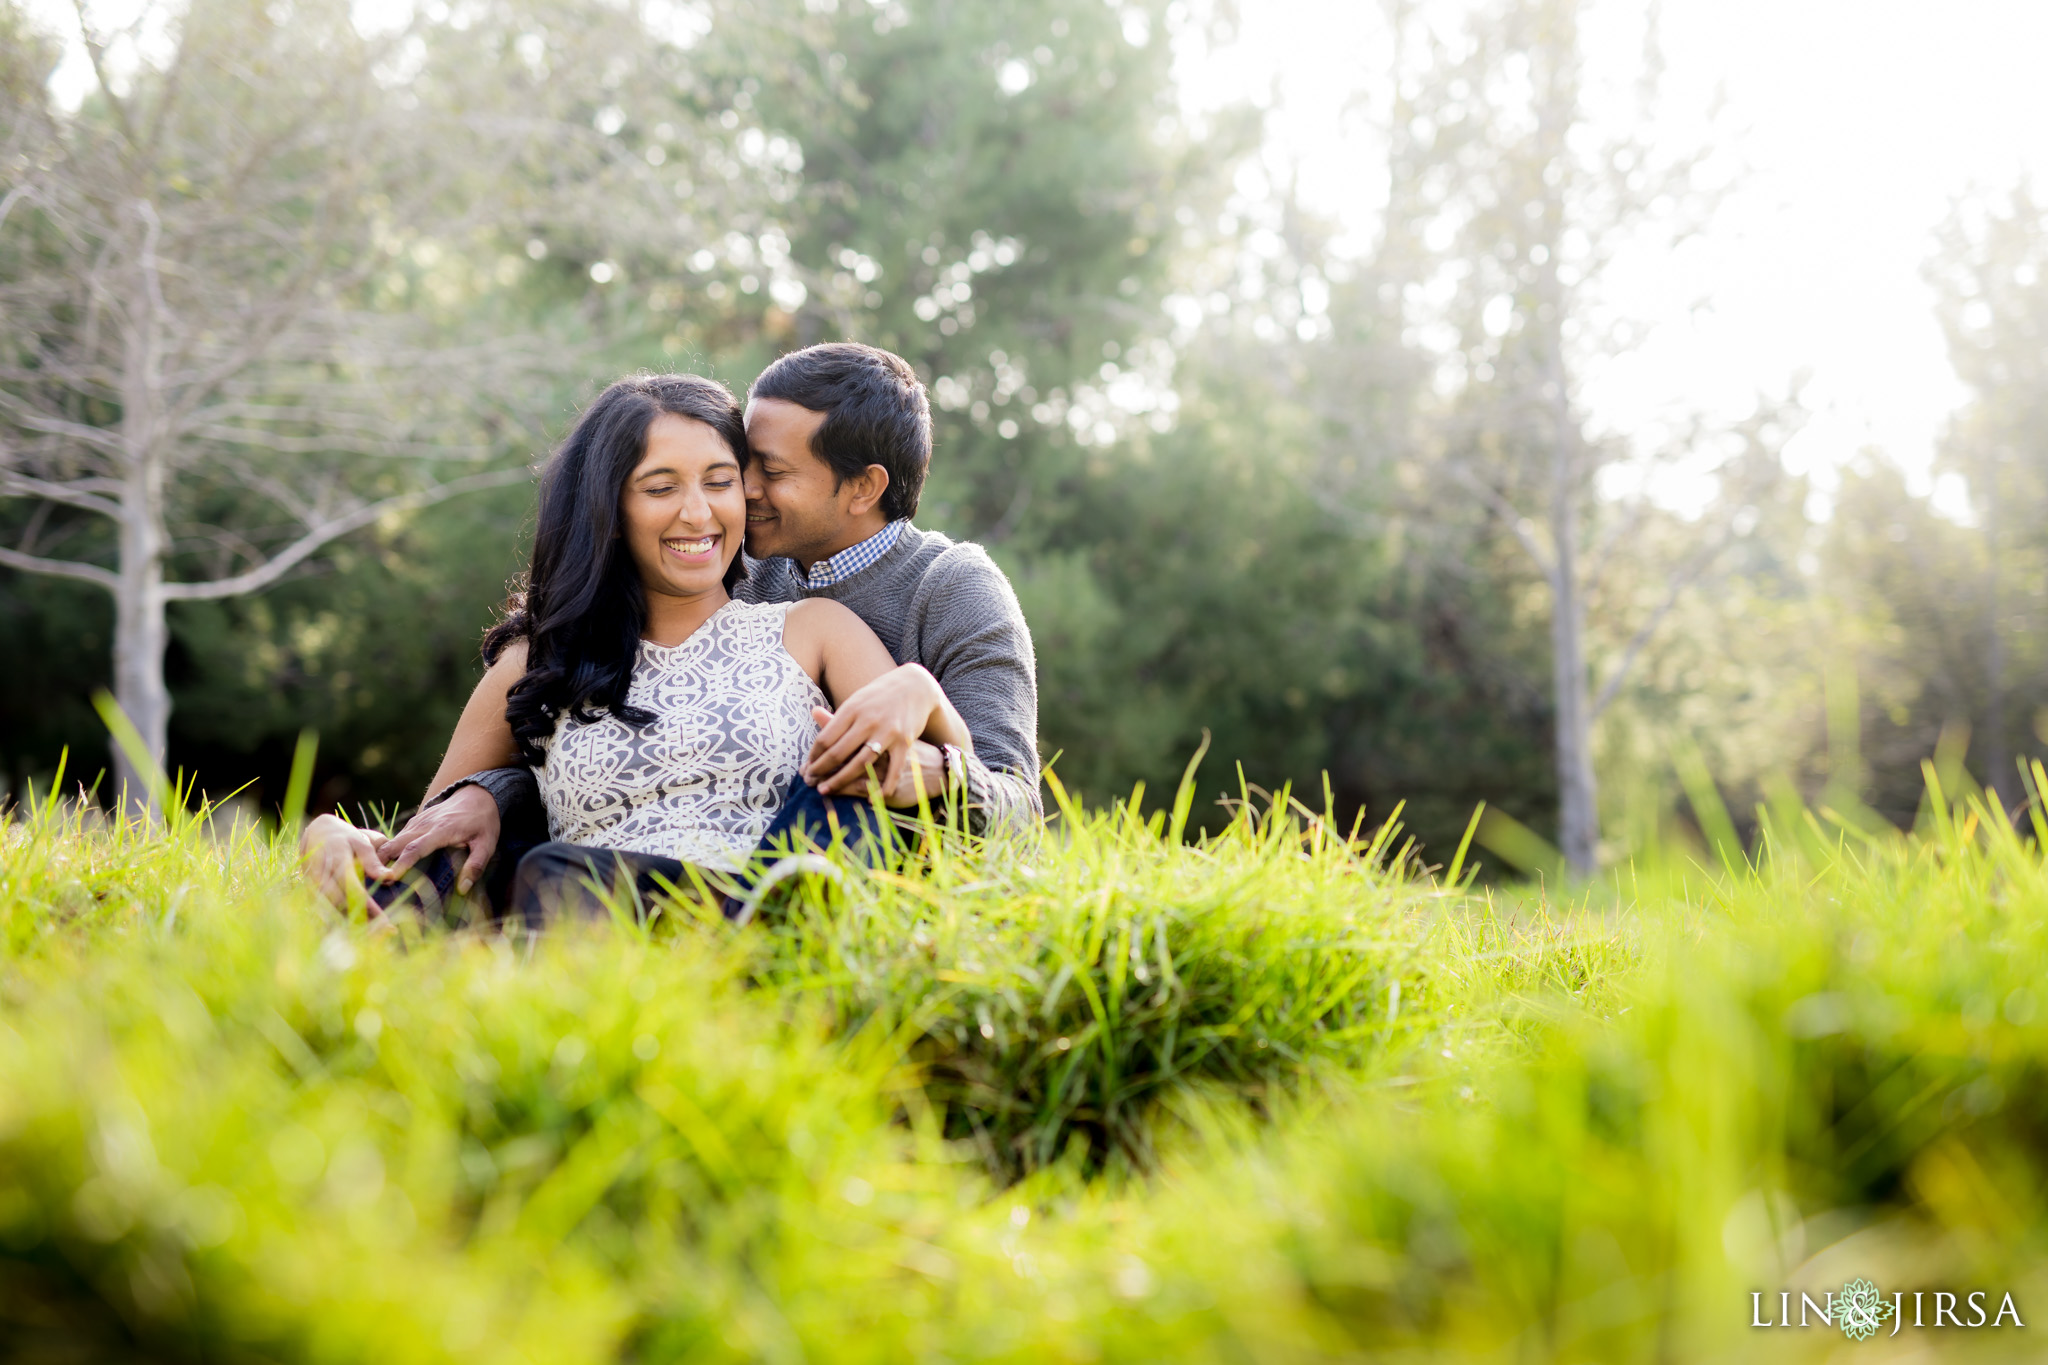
1340 510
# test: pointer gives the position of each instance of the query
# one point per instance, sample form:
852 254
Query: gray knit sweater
944 604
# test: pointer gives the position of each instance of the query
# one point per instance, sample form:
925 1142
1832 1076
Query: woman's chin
677 580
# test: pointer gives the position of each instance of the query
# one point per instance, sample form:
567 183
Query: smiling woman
651 457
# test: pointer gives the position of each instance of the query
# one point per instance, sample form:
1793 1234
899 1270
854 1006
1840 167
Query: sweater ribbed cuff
513 789
997 800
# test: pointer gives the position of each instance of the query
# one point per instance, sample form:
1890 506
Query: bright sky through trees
1852 125
1849 126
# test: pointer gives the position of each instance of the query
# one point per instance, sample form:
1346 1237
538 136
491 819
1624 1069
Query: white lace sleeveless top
702 782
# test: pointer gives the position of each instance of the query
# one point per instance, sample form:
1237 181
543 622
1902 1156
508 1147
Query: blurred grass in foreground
1266 1098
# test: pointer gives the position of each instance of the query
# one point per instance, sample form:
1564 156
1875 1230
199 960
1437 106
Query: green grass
1275 1097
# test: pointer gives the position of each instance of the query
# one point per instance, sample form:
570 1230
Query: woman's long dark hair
580 608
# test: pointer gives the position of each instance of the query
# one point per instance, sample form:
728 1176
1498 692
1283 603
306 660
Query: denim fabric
810 819
558 880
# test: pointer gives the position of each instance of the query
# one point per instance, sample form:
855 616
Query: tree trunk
1997 757
140 635
140 632
1578 819
1578 808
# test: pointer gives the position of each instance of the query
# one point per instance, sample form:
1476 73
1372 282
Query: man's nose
751 483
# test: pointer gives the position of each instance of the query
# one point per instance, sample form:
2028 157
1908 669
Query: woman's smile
692 549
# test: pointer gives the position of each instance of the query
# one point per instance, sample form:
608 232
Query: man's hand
337 856
924 764
468 817
928 766
875 728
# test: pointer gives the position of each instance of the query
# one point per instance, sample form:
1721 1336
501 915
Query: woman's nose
695 508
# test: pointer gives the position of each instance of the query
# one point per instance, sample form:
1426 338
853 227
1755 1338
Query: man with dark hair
841 439
840 436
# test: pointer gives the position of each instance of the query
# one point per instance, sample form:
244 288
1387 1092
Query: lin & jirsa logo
1861 1309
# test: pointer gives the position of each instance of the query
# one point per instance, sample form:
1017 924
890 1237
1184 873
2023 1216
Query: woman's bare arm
898 706
838 649
483 737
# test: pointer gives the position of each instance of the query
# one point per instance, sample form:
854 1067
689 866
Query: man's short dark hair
875 413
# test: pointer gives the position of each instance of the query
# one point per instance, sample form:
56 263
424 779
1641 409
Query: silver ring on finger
879 750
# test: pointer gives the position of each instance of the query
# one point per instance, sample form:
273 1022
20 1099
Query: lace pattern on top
704 780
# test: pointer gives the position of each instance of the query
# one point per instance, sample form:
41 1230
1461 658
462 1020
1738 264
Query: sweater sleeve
976 643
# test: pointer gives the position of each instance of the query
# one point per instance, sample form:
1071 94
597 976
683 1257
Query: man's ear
867 488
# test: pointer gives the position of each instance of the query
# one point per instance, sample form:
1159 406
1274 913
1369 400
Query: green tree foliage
1910 592
1200 586
1994 306
1510 200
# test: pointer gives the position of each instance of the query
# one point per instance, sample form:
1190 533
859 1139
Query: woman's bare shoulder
508 668
818 630
810 626
823 614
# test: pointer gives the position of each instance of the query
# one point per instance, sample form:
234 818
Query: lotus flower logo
1860 1309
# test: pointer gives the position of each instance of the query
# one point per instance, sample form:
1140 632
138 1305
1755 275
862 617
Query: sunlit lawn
1109 1097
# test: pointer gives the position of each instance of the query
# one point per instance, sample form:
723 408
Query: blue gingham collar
851 560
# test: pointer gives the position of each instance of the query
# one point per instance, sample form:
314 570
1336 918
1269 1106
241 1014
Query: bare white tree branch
1684 578
88 494
14 196
34 419
225 293
60 568
281 563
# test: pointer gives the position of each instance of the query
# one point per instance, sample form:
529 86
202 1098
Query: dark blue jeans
534 883
810 820
556 878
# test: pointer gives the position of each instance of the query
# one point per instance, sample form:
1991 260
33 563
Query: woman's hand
876 727
921 773
337 856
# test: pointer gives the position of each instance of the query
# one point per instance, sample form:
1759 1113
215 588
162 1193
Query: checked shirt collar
851 560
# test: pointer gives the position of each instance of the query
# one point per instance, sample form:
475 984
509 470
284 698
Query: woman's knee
551 859
552 877
548 865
